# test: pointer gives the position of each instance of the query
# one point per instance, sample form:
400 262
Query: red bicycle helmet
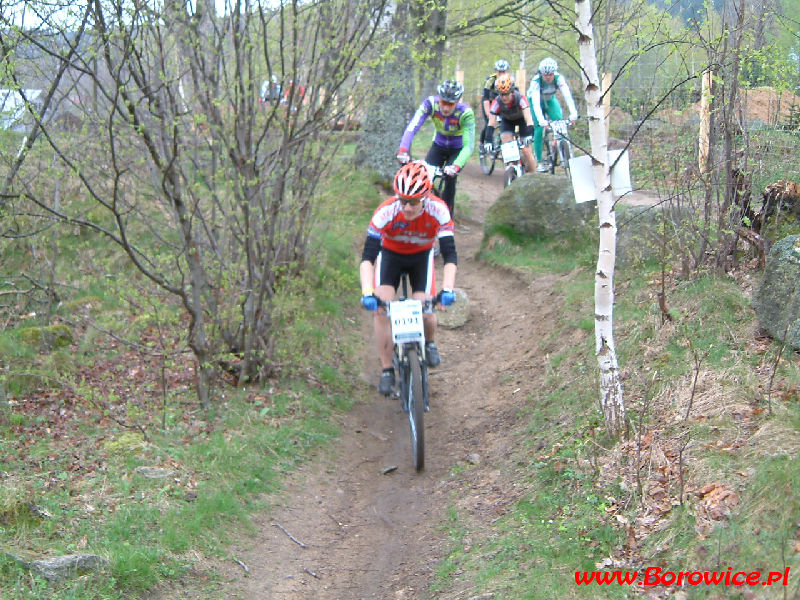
412 180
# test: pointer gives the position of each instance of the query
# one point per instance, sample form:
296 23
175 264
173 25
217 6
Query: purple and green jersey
451 132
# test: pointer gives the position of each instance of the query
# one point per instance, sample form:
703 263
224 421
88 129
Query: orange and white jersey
400 235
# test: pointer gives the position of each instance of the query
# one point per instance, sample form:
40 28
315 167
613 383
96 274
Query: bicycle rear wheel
416 408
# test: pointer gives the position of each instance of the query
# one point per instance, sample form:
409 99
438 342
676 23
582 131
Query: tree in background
389 99
208 191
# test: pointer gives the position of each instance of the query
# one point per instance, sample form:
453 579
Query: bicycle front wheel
416 408
487 162
511 175
564 152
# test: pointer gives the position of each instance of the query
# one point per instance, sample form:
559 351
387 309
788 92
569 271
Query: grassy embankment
706 477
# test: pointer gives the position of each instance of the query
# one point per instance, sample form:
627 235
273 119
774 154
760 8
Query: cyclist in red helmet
400 239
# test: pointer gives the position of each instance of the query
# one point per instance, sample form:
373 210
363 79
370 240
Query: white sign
580 170
406 317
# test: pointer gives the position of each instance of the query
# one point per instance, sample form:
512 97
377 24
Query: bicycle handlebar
427 305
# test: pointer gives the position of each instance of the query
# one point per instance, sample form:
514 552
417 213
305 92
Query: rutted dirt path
366 534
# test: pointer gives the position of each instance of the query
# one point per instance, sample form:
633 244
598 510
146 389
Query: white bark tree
611 399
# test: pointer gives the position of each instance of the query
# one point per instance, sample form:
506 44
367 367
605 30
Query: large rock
777 300
59 568
456 314
538 205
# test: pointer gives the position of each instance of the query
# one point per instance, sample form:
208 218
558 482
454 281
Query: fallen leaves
717 500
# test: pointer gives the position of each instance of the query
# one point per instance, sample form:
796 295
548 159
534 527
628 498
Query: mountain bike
514 166
410 364
557 146
487 158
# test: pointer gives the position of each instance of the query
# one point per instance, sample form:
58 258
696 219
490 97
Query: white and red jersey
398 234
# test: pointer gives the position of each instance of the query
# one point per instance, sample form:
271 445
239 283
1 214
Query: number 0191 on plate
406 317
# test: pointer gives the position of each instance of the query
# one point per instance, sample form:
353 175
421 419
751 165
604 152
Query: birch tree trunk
611 400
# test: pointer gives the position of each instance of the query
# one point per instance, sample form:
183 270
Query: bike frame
512 159
558 145
437 179
487 160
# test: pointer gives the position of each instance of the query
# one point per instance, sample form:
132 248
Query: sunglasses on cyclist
446 104
411 201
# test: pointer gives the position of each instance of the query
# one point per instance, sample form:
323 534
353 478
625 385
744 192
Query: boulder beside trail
538 206
777 299
456 314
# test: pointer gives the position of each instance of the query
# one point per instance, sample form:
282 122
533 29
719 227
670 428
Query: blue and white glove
369 301
527 140
448 297
489 147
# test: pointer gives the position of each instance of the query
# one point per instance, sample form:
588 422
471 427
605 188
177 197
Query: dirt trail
371 535
344 530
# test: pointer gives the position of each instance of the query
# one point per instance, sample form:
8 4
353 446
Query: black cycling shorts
510 126
389 267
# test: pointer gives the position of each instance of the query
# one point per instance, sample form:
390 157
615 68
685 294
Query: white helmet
502 65
548 66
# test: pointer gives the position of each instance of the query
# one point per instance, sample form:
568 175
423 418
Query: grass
578 497
73 433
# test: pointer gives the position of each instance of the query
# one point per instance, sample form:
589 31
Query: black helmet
501 65
450 91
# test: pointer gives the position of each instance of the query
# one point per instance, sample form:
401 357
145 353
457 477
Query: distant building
13 114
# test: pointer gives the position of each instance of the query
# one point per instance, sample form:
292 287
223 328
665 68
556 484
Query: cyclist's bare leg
428 319
527 157
383 327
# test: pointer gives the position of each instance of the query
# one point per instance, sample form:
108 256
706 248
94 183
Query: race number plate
406 317
510 151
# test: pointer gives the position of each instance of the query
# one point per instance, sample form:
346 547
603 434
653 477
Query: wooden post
703 143
460 76
521 83
606 84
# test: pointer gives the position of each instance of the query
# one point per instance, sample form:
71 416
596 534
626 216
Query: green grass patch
577 490
75 447
540 256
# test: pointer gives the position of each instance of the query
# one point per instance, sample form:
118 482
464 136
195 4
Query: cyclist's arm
447 246
535 99
449 276
526 114
488 84
467 138
564 87
372 247
423 112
